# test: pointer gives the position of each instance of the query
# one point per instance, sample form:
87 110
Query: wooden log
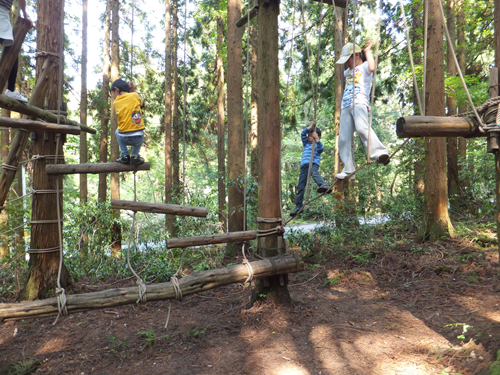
243 20
338 3
195 283
38 126
11 53
159 208
211 239
32 111
95 168
435 126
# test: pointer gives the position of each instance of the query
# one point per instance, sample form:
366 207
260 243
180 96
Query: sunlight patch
293 370
52 346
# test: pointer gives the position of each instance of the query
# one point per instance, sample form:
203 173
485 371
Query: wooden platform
159 208
95 168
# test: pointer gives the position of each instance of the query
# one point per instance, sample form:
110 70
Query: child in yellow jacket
130 131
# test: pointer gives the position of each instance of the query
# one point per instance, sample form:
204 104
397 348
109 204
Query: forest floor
430 308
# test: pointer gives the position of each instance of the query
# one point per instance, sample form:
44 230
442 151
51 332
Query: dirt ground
430 311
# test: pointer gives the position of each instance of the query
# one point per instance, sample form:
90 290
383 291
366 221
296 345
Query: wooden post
211 239
33 111
191 284
493 92
8 122
11 54
95 168
435 126
159 208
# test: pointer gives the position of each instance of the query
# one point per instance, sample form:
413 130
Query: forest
192 263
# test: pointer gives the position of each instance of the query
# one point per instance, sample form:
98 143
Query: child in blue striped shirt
308 135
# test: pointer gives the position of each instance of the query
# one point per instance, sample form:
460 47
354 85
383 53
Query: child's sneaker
295 211
16 95
124 159
343 176
136 160
383 159
324 189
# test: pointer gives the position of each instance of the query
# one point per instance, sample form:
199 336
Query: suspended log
159 208
338 3
11 53
211 239
195 283
95 168
434 126
8 122
243 20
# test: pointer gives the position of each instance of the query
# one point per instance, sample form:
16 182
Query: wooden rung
191 284
435 126
211 239
338 3
8 122
159 208
95 168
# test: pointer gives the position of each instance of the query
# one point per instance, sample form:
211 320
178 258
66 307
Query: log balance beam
95 168
195 283
211 239
35 112
32 125
159 208
433 126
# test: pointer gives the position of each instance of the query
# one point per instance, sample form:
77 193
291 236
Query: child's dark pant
301 187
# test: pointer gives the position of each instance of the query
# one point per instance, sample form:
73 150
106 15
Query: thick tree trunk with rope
496 36
275 287
436 220
235 132
451 103
115 152
167 120
221 125
103 147
44 266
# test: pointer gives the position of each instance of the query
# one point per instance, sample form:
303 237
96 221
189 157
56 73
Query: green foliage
199 332
151 338
22 368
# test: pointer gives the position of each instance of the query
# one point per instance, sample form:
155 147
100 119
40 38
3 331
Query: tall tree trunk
44 227
235 130
275 288
418 182
17 220
115 152
103 148
496 37
451 102
4 216
221 124
436 220
169 219
254 153
83 104
462 142
175 117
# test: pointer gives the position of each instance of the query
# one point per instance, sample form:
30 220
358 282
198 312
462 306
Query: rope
10 167
459 70
43 251
175 280
248 265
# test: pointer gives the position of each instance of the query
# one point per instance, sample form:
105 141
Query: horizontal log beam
212 239
95 168
32 125
243 20
433 126
191 284
338 3
32 111
159 208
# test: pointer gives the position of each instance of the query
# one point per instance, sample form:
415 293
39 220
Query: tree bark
169 219
221 125
235 131
44 228
436 220
83 104
103 147
254 150
175 118
275 287
4 216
